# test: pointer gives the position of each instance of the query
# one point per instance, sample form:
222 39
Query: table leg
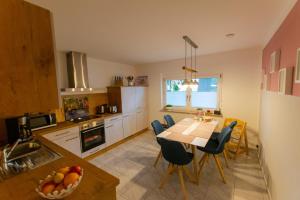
195 163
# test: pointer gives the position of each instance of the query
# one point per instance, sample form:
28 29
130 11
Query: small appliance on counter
130 80
22 126
112 109
102 109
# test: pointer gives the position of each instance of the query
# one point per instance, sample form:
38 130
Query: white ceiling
143 31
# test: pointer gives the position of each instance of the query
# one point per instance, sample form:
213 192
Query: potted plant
168 107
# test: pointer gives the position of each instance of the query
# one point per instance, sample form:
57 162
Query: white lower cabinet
68 139
129 124
113 130
141 120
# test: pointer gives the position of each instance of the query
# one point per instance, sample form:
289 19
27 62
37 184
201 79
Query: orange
71 178
48 188
64 170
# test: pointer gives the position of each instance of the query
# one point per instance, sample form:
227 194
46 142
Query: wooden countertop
95 184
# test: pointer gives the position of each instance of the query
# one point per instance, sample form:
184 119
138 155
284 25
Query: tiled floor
133 162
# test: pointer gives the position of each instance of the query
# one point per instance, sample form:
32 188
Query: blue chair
215 136
170 121
178 158
215 147
157 128
231 125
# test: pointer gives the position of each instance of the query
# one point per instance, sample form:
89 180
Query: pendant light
186 82
193 84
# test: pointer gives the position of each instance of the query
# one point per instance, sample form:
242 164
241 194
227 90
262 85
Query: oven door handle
91 129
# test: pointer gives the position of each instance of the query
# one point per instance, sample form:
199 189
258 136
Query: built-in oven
92 137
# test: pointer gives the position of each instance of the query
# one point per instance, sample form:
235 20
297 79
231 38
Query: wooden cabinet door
27 70
43 56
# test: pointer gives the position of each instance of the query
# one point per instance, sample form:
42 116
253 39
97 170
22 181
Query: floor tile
132 162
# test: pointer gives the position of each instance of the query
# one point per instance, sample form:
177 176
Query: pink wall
287 39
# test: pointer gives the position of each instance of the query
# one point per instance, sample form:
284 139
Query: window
205 96
175 93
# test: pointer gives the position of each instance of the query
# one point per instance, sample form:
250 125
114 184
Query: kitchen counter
95 184
68 124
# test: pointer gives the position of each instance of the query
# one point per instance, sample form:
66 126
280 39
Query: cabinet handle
71 139
109 126
62 133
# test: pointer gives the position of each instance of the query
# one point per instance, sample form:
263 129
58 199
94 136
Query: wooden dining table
192 132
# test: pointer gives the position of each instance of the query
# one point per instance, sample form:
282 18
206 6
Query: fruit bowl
58 190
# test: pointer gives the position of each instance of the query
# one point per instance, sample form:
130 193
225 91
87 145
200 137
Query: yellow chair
239 134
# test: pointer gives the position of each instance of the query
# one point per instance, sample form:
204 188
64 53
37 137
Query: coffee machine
18 128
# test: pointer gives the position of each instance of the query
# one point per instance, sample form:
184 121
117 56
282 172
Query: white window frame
188 106
297 67
275 61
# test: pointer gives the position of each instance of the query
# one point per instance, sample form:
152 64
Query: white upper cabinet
141 97
128 100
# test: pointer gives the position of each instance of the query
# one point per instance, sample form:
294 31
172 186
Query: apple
76 169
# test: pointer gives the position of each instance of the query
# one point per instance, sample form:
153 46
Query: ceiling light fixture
192 82
230 35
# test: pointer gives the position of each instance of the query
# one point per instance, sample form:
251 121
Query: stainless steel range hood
77 70
78 75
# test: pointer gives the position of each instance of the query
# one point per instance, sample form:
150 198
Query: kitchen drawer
111 120
68 139
62 134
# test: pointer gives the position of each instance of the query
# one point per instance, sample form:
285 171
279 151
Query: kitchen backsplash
87 102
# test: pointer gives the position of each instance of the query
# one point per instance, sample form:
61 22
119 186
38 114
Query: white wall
280 137
100 72
240 87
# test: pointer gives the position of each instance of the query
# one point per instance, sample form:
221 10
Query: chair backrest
223 137
231 125
157 127
174 152
170 121
240 127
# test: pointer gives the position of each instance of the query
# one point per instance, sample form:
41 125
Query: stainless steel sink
24 157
